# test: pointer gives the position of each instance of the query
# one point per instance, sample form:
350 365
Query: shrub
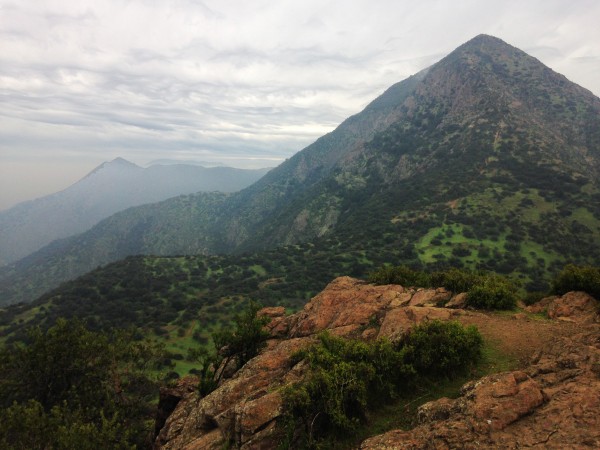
72 386
455 280
347 377
492 292
402 275
29 426
442 349
578 278
533 297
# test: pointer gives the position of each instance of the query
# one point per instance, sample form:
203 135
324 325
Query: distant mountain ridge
488 159
111 187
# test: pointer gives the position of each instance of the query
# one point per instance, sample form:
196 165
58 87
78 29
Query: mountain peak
121 161
488 46
116 163
487 39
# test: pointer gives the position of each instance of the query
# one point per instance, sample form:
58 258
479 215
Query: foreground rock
572 307
501 411
244 409
552 403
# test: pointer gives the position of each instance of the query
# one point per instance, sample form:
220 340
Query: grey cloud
62 19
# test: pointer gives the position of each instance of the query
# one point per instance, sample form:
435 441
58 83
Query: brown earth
553 401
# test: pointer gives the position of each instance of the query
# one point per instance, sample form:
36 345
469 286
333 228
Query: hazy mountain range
111 187
487 159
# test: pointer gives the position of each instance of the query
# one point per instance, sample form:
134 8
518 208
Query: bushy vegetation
484 290
70 388
402 275
441 349
492 292
158 294
347 378
578 278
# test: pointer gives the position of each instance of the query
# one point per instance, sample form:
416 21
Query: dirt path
520 336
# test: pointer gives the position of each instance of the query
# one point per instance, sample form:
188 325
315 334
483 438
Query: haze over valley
111 187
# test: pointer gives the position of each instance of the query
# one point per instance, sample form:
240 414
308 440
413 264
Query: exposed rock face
242 409
488 405
170 397
543 405
574 306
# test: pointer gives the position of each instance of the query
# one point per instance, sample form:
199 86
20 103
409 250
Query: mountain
488 159
109 188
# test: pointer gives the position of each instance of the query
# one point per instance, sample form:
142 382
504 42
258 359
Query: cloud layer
248 83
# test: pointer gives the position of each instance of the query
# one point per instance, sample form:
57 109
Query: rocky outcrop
574 306
244 409
486 406
169 398
554 402
541 405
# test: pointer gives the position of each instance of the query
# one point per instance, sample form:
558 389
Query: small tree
246 340
208 363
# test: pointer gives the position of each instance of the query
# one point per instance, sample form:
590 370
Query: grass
493 360
258 270
585 217
451 236
532 251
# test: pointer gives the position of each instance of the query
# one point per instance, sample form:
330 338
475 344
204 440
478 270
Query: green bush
456 280
578 278
534 297
28 426
442 349
347 378
492 292
402 275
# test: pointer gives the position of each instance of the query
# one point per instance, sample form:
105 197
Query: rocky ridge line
509 410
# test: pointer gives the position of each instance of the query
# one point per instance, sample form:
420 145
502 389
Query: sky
241 83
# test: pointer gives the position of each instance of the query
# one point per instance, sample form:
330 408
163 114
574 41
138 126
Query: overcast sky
246 83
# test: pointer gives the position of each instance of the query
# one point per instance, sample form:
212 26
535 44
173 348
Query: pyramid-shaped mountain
487 159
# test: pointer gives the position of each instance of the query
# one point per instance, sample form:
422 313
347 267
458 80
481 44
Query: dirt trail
521 336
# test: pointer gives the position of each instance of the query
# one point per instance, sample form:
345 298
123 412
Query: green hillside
487 159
